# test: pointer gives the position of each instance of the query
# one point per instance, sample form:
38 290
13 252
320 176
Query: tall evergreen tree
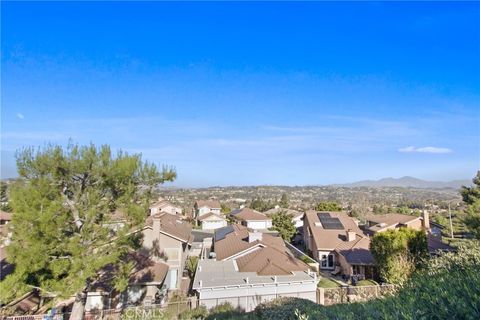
62 204
471 196
284 201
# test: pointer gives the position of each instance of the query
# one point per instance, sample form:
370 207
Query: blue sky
249 93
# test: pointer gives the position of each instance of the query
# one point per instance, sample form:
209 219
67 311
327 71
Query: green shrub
198 313
225 311
284 308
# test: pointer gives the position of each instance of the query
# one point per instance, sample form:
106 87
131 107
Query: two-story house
165 206
168 239
202 207
335 240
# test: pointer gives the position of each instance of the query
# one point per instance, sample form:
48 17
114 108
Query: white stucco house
165 206
203 207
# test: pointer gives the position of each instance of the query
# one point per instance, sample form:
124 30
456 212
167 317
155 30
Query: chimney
254 236
351 235
157 225
426 220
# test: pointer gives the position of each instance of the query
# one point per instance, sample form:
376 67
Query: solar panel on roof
222 232
324 214
329 222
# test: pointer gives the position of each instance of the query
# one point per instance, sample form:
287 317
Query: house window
327 261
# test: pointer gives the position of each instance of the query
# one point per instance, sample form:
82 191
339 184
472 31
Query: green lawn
307 259
366 282
327 283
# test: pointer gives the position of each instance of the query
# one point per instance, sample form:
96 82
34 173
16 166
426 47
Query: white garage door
257 225
211 225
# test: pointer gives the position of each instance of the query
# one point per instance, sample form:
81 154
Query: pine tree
62 206
471 196
284 201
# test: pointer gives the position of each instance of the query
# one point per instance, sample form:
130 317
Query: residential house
168 239
145 284
203 207
382 222
391 221
212 221
164 206
335 241
251 218
158 265
297 216
250 268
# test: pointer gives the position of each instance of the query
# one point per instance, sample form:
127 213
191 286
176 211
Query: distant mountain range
409 182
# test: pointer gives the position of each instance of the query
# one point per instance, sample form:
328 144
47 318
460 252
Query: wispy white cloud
20 115
425 149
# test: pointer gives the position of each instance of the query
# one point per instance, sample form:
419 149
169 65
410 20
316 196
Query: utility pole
451 226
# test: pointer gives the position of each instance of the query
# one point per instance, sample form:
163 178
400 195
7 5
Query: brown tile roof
329 239
389 219
237 241
162 204
357 251
268 256
233 242
211 214
147 270
212 204
249 214
172 225
6 216
270 261
29 303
